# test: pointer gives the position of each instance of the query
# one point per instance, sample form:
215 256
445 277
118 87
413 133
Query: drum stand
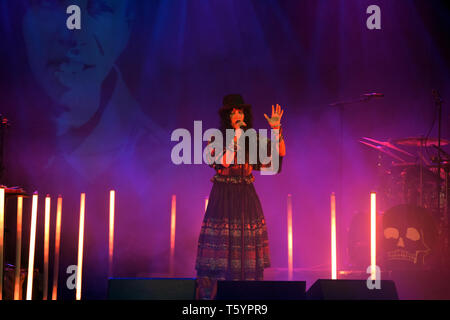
443 213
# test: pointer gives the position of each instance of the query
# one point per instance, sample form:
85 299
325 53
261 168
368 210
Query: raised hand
275 120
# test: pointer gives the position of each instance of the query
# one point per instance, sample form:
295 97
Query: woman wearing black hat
224 251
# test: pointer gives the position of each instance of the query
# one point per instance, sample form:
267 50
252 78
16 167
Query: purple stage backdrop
93 109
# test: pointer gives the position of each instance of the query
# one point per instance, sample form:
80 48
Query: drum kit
411 172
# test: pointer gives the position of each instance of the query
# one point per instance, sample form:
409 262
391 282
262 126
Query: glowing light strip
57 243
333 237
32 246
46 246
290 238
2 222
373 234
173 217
80 247
206 203
112 197
18 248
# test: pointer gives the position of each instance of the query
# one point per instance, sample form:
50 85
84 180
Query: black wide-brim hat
231 101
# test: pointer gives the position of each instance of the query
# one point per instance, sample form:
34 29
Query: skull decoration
409 237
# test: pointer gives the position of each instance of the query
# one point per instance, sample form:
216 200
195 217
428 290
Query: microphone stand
341 105
363 98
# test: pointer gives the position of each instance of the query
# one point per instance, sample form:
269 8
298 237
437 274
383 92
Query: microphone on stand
243 123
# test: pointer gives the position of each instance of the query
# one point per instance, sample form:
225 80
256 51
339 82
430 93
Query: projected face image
70 62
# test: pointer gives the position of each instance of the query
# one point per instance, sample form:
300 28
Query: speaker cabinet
151 289
261 290
326 289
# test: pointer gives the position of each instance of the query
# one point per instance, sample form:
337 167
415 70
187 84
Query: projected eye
98 7
391 233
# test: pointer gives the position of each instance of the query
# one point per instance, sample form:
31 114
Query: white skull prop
409 237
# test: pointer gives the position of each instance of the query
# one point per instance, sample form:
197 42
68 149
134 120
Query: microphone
243 123
373 95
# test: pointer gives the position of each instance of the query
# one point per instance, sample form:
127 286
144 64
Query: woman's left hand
277 113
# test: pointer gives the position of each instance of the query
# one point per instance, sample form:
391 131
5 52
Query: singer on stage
224 251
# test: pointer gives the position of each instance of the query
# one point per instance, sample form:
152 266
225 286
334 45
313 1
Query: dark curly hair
225 121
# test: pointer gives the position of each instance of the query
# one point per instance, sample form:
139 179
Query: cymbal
389 145
421 142
383 149
405 164
444 164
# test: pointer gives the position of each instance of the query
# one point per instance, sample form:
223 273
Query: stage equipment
373 234
112 197
421 142
290 238
173 217
2 223
80 247
151 289
32 246
57 248
18 248
326 289
261 290
333 237
412 178
4 123
46 245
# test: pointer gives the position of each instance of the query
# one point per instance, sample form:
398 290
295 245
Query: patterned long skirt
233 242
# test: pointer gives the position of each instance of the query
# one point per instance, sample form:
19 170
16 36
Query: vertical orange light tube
32 246
206 203
57 243
333 237
290 239
46 246
80 247
373 234
112 197
18 248
2 222
173 217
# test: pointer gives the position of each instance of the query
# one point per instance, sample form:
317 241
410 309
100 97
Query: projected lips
69 73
